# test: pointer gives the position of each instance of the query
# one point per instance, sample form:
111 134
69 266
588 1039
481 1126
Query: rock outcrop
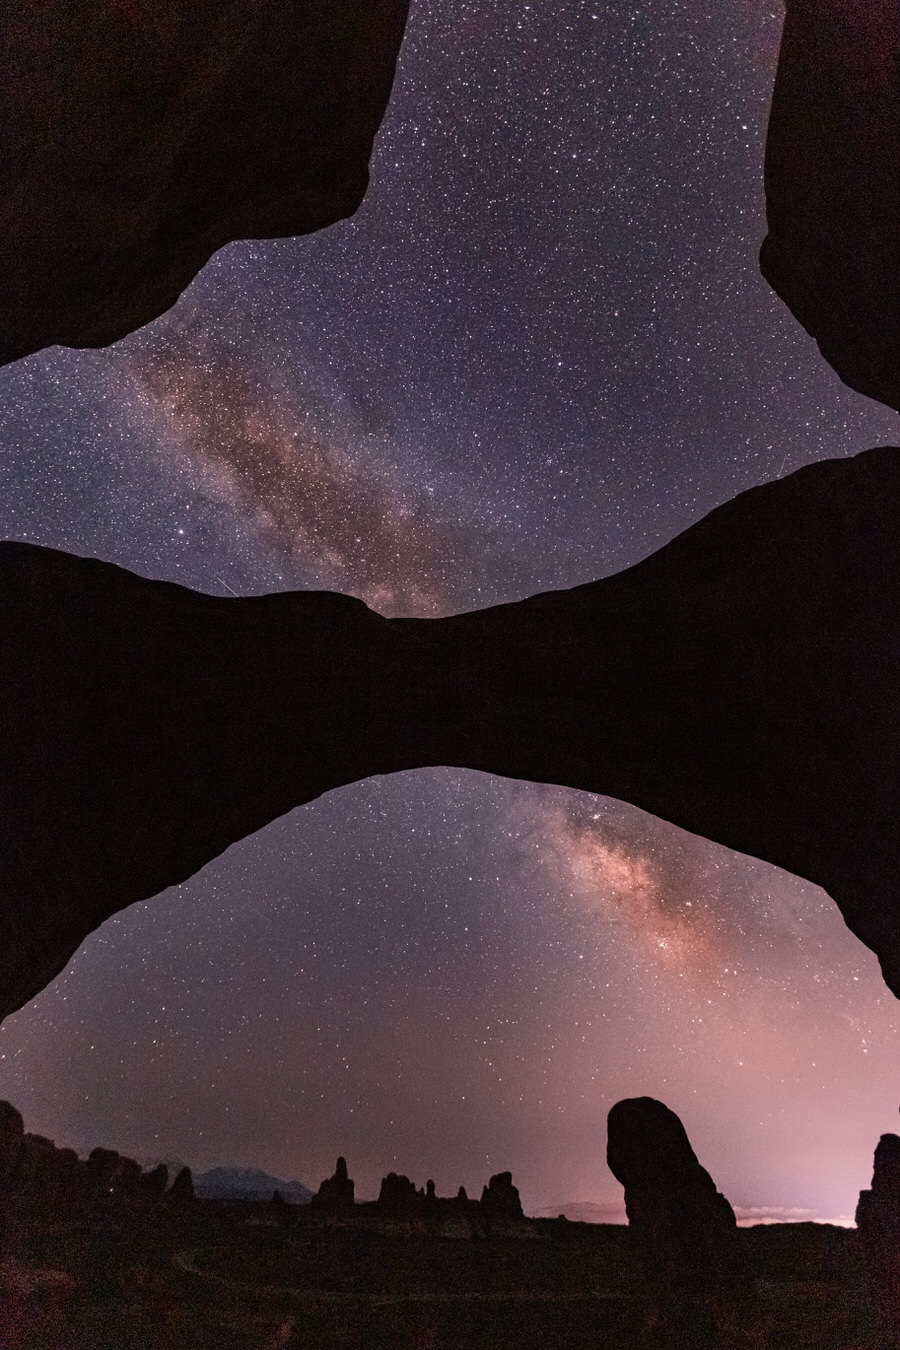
113 1173
102 1164
398 1195
404 1209
182 1188
682 1229
12 1132
500 1199
126 1179
37 1175
742 682
335 1195
833 186
138 139
53 1178
155 1181
878 1222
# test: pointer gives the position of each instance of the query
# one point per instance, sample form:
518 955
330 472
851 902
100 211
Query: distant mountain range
247 1183
583 1211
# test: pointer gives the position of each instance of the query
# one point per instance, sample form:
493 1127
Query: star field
539 350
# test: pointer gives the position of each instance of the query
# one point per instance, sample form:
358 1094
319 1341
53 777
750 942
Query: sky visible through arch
539 350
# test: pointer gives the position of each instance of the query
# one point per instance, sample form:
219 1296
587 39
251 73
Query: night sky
540 350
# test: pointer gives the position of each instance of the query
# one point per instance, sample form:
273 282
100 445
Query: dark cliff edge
136 140
741 682
833 186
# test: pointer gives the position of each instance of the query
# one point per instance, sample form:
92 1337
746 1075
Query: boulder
682 1229
138 139
740 682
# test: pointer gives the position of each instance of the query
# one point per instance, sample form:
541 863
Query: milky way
540 350
341 524
666 900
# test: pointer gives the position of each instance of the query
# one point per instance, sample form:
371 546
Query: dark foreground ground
128 1275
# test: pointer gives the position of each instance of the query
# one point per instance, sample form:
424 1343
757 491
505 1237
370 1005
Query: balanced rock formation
878 1222
137 139
742 682
682 1229
335 1195
833 186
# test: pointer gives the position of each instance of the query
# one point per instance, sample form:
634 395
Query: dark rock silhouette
878 1222
137 140
43 1179
401 1207
336 1192
833 186
682 1229
500 1198
183 1186
111 1171
741 682
101 1167
48 1176
35 1173
398 1195
155 1181
12 1132
126 1179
